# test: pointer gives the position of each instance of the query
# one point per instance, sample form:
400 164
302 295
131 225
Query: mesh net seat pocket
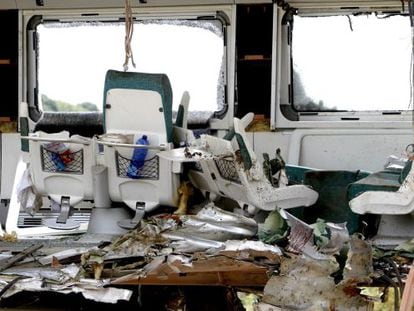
125 168
68 162
227 169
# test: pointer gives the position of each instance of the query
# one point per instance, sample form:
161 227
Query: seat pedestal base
134 222
63 222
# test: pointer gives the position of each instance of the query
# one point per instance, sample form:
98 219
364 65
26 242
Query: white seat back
132 111
74 179
139 104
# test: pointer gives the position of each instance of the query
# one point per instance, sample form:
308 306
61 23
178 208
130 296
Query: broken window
357 62
73 58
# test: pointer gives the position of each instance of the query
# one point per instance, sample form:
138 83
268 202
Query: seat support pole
64 210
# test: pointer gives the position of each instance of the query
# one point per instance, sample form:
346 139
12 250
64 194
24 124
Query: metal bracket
62 222
135 221
64 210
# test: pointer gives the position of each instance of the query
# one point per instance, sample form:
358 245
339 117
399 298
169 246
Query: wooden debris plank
213 271
407 301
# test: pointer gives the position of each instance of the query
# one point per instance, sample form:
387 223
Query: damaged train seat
233 171
51 189
389 195
138 125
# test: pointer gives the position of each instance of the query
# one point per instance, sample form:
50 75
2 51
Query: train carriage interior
224 144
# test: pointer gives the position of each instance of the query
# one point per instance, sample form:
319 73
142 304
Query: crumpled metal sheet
46 274
187 243
239 246
251 250
133 250
212 212
209 228
62 281
164 235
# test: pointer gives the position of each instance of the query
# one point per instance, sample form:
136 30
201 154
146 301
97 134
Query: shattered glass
190 51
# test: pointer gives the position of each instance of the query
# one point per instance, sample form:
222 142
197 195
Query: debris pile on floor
310 267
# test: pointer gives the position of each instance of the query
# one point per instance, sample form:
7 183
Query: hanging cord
129 31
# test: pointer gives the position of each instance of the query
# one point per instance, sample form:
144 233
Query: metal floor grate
26 220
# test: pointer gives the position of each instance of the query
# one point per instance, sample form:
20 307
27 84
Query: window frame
285 116
224 13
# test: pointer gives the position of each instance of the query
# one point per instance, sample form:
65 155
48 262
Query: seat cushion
379 181
405 171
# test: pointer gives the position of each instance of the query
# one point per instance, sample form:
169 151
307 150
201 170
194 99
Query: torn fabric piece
26 196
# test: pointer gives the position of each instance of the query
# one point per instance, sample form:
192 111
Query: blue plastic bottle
60 166
138 158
